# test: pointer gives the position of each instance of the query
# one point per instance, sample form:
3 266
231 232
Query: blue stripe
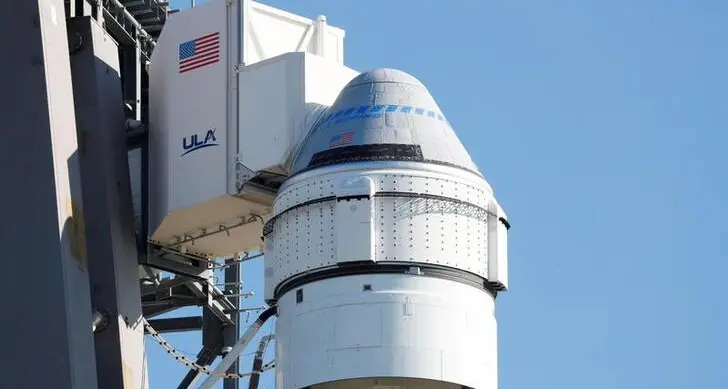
376 111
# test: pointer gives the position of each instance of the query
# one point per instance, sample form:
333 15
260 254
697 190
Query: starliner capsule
386 248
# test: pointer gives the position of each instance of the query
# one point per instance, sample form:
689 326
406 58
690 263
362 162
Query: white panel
301 338
498 250
414 229
190 144
354 219
501 274
188 110
357 326
314 188
303 240
355 230
197 143
325 79
270 93
340 330
334 45
278 100
422 230
271 32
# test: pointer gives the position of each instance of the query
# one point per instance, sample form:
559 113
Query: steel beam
176 263
47 326
205 357
212 340
77 8
231 332
158 308
132 80
217 302
164 286
108 213
177 324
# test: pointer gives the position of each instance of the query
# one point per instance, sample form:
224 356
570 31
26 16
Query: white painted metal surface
217 124
386 248
430 230
270 32
406 326
280 98
188 129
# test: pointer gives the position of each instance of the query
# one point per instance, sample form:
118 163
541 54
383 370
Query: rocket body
386 250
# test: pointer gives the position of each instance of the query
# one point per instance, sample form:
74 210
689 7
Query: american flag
199 52
341 139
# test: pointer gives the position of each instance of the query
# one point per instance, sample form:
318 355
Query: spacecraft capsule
384 115
386 249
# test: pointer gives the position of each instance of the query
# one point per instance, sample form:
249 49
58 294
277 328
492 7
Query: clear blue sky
602 127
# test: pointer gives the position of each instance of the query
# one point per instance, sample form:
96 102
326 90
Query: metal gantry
79 115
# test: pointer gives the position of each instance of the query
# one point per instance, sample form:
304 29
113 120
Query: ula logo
196 142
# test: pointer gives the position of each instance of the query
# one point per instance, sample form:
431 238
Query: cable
234 353
183 359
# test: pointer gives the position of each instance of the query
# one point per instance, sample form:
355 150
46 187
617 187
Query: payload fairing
384 244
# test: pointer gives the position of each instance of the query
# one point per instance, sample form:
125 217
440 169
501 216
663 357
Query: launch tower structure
384 246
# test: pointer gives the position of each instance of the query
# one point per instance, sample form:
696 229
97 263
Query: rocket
386 249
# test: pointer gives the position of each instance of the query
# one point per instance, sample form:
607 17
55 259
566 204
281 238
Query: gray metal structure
108 211
73 160
46 330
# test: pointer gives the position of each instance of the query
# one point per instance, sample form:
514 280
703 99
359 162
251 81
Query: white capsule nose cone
383 115
384 75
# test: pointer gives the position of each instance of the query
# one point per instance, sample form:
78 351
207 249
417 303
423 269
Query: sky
601 126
